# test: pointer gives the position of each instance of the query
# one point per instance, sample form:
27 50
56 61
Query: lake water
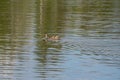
89 45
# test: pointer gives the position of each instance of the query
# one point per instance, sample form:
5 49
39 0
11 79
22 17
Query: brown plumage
52 38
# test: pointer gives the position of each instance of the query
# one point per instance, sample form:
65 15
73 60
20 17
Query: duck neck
46 36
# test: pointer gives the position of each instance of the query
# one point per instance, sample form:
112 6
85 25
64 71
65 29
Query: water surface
89 48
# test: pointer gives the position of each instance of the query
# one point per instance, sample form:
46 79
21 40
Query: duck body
52 38
51 41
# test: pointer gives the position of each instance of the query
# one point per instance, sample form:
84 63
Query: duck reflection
48 58
48 45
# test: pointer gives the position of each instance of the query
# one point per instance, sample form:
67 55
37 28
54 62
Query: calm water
89 48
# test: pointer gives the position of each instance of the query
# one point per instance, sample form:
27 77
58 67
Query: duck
52 38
